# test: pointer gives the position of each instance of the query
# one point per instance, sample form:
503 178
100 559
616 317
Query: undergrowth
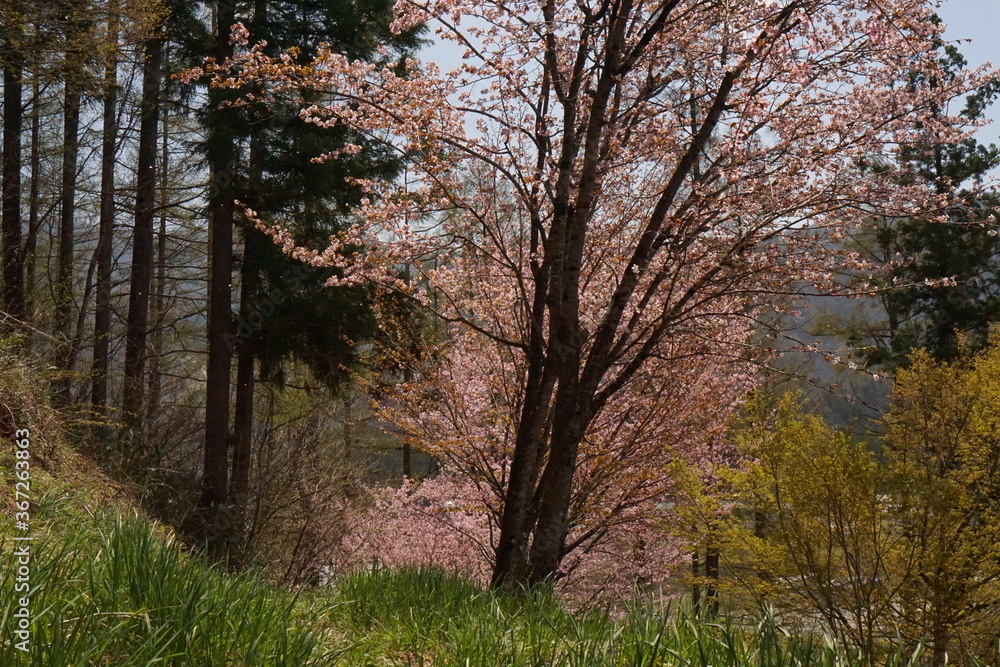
428 617
108 586
116 589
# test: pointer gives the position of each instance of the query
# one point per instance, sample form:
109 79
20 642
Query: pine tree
951 286
77 54
221 150
105 243
286 313
13 66
142 229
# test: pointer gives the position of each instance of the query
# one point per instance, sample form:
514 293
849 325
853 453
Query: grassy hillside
115 589
108 586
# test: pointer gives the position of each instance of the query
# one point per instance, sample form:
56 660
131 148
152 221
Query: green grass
115 589
423 618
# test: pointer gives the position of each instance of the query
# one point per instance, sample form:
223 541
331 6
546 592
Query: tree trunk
695 582
511 567
222 159
940 638
243 412
556 485
407 460
159 291
407 450
239 491
64 281
142 236
35 170
712 574
13 267
105 242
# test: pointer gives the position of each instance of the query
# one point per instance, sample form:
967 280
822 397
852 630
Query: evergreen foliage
295 317
942 277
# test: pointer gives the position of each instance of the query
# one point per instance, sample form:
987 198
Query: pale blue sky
975 20
979 21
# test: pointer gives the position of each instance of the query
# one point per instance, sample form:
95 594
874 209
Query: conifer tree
942 278
12 63
285 313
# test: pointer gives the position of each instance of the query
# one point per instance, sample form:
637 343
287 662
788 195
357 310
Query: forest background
242 402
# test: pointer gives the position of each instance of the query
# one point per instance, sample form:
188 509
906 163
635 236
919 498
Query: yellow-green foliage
820 539
943 439
901 541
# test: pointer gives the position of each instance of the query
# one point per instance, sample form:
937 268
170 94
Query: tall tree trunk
940 639
105 241
64 281
239 490
142 236
222 157
511 566
556 485
13 267
712 575
695 581
35 171
159 290
243 411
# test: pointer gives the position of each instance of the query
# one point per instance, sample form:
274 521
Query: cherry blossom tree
601 198
461 406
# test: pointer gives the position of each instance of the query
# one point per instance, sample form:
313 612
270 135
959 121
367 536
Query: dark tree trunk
13 266
214 482
35 171
940 639
511 567
222 159
242 432
159 290
239 490
64 281
695 582
105 242
712 574
142 236
556 485
243 411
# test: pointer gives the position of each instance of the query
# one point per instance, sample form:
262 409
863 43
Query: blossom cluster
625 190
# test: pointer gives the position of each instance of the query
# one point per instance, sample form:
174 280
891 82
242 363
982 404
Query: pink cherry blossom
602 200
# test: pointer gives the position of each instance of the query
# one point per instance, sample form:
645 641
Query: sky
975 20
979 21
